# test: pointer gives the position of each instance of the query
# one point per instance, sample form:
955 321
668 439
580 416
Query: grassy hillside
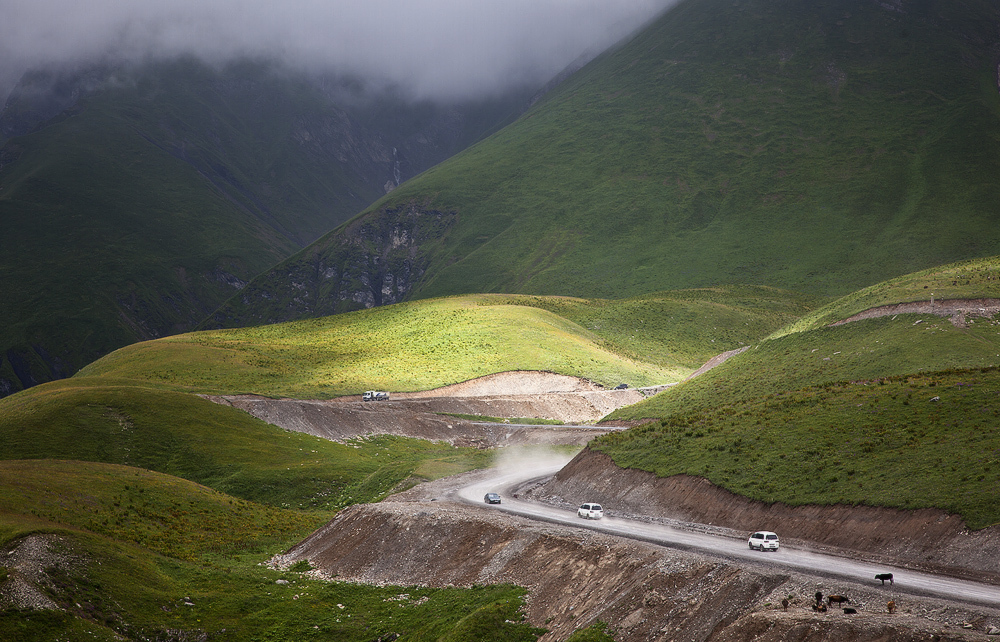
893 411
809 352
426 344
223 448
972 279
909 441
134 208
814 147
138 555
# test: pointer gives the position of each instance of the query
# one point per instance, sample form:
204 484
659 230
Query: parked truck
375 395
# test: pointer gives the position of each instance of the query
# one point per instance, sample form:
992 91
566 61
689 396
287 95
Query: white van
763 541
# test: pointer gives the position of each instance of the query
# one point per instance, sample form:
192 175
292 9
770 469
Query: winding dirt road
905 581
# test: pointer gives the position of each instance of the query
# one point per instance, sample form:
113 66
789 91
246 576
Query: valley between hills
739 271
427 536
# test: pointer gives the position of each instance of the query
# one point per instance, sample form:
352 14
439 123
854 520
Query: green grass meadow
226 449
852 402
970 279
167 504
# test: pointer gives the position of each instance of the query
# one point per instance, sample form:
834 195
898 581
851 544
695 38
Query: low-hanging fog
445 49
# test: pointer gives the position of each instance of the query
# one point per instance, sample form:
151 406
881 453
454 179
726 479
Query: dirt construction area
576 577
429 415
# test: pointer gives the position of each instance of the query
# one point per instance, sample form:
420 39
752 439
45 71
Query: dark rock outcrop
375 260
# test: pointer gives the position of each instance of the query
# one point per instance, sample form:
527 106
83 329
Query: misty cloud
428 48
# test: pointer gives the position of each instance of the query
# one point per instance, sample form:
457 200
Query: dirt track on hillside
956 309
424 415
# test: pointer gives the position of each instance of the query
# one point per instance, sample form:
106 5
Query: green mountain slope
135 201
814 147
814 352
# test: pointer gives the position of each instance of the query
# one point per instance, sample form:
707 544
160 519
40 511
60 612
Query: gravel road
730 547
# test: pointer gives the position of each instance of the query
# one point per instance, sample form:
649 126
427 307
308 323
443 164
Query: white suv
590 511
763 541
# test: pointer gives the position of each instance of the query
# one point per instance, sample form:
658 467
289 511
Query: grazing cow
819 597
784 604
849 610
839 599
820 607
891 605
884 577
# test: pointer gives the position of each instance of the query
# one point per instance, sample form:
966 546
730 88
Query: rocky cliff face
376 260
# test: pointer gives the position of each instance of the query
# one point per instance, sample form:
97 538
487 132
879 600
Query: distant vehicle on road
621 386
590 511
491 498
375 395
763 541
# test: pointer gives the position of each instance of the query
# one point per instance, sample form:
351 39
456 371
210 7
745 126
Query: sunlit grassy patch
427 344
975 278
860 350
162 513
111 590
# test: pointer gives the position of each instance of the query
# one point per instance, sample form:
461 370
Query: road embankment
578 577
930 540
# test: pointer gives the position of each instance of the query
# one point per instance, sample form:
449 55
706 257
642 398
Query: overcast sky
443 48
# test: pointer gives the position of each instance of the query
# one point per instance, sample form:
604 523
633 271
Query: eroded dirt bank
421 415
956 309
928 539
339 421
576 578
